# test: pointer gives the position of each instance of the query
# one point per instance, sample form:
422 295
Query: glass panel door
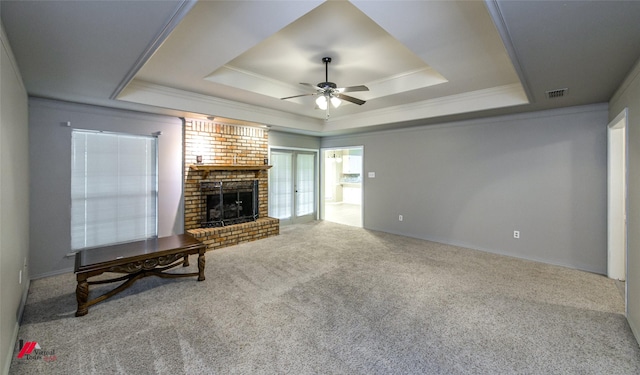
281 186
305 185
292 186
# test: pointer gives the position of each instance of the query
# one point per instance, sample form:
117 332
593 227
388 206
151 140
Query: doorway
342 187
292 186
617 198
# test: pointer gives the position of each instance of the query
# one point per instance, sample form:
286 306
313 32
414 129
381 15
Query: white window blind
114 188
281 185
305 184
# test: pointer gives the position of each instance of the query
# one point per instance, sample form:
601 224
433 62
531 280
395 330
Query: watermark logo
27 349
31 350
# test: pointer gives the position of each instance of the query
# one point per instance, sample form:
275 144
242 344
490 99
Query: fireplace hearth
228 203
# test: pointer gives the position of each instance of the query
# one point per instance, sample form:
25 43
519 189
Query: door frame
316 197
323 178
617 202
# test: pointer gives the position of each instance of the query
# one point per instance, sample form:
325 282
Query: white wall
50 168
628 96
473 183
14 200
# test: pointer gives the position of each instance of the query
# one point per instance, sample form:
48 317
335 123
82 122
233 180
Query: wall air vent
559 93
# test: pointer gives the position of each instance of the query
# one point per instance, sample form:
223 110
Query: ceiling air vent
559 93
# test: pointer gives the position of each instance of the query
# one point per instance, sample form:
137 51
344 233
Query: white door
292 186
305 186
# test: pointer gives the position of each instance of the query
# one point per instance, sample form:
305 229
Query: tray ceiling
425 62
435 68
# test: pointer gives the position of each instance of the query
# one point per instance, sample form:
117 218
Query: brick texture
216 238
226 145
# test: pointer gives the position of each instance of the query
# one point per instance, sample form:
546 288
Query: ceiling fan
329 92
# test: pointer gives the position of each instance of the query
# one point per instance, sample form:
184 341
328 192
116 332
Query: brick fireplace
229 154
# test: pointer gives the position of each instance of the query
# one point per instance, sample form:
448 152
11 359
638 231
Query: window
114 188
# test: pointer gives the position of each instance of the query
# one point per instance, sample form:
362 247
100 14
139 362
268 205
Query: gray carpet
324 298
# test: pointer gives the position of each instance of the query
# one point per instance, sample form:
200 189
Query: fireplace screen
226 203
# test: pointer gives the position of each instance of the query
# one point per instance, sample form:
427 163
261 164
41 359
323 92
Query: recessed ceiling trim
427 70
181 10
153 94
251 81
495 97
4 41
406 81
501 26
254 82
167 97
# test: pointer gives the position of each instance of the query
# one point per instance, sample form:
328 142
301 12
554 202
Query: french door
292 186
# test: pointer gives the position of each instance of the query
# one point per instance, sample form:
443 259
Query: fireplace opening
227 203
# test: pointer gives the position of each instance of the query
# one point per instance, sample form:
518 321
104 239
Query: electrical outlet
400 218
516 234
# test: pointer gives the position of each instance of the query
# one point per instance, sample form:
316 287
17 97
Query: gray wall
14 200
50 168
628 96
288 140
473 183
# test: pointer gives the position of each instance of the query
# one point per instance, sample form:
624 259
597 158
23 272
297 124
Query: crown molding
4 42
152 94
491 98
181 11
167 97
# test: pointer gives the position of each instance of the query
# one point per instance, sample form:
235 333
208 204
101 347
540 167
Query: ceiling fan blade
353 88
314 86
350 99
297 96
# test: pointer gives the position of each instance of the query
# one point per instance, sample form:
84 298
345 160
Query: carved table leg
82 295
201 266
186 261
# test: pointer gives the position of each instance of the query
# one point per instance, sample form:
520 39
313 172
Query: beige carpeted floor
325 298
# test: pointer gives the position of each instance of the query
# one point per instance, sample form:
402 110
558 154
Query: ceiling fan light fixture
322 102
335 102
330 92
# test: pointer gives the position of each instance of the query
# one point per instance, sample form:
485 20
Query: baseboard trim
634 330
52 273
16 328
23 301
9 355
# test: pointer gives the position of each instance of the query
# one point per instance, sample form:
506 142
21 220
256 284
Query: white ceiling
423 61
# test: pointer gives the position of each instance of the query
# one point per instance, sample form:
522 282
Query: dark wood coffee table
151 257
